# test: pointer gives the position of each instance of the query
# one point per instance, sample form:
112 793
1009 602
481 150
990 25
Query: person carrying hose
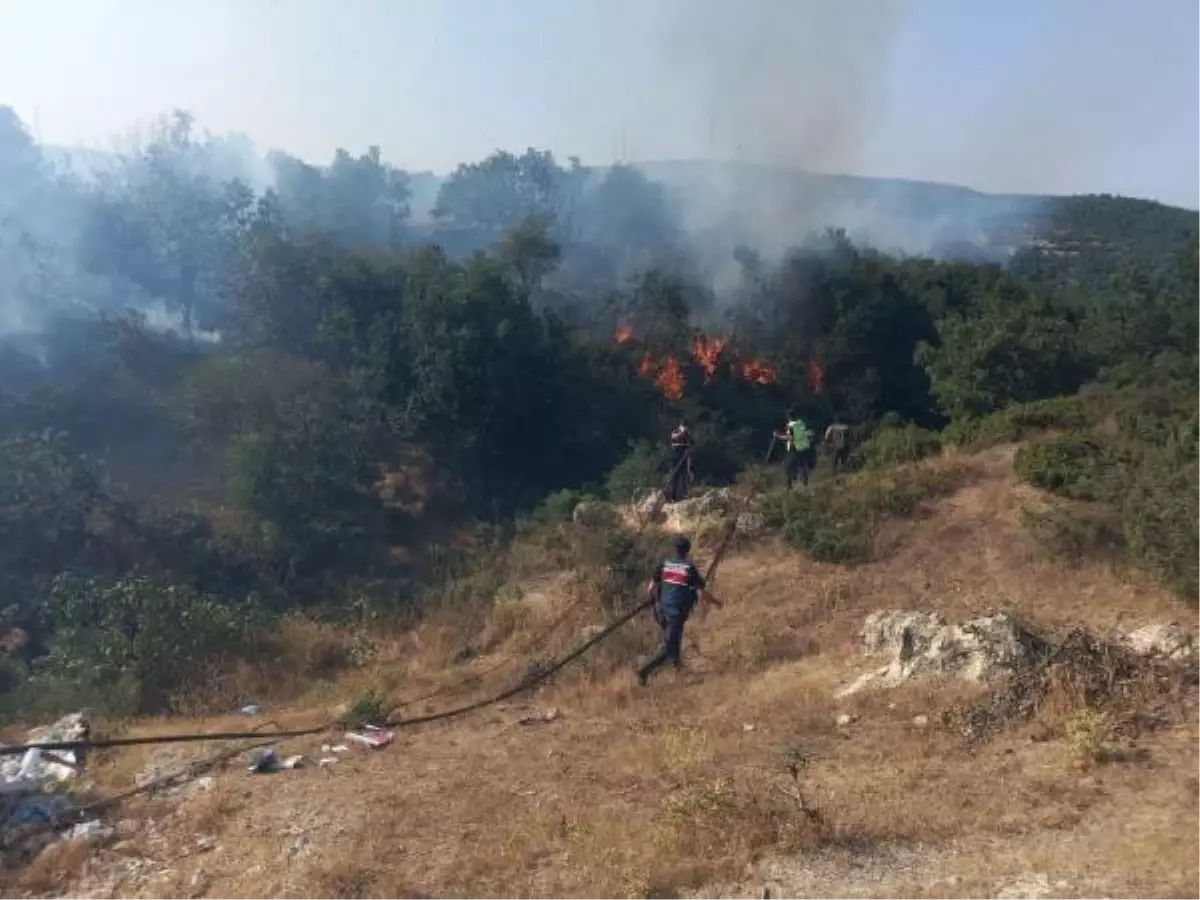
681 461
798 441
676 586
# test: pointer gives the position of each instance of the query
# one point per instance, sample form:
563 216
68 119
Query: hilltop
721 204
683 788
770 207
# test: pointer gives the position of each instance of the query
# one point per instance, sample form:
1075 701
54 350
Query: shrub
135 641
620 561
1076 531
1016 422
370 708
640 471
837 522
1145 482
1159 512
556 508
898 444
1078 465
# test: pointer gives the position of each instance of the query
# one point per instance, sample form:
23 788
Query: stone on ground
920 644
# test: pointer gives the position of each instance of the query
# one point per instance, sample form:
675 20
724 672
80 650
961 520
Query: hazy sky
1025 95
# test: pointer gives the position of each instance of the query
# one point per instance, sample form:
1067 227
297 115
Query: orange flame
707 352
759 372
814 375
668 375
670 379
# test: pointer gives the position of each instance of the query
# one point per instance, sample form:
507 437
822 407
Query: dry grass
736 762
53 871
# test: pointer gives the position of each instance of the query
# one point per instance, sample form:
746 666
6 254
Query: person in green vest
799 455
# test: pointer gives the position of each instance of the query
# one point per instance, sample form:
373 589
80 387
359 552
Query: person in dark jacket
837 439
681 461
676 586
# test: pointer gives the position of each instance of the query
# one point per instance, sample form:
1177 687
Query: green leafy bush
1147 490
837 521
1079 466
138 640
370 708
640 471
1017 422
896 444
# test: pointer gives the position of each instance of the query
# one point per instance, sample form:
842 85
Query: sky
1053 96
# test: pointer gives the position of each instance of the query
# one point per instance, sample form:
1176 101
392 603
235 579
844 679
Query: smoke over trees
239 395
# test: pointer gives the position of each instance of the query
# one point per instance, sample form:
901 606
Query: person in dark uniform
837 439
676 586
681 461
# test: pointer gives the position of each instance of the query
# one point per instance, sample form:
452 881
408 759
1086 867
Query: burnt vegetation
221 402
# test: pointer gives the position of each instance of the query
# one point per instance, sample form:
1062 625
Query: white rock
920 721
919 644
650 504
710 503
1032 886
751 523
845 719
1161 639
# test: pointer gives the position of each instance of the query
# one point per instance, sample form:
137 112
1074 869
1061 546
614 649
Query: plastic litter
24 779
37 765
250 709
93 830
374 737
537 718
269 761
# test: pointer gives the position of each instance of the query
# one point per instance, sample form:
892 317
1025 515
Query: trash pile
371 737
30 788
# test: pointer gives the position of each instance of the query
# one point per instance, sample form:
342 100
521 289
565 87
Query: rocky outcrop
1161 639
695 513
919 644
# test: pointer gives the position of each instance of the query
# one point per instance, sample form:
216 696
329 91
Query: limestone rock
716 502
1161 639
651 504
919 644
751 523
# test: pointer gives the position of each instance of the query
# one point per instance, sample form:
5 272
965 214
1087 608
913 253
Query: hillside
770 208
682 788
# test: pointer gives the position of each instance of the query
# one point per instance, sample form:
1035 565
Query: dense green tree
1002 353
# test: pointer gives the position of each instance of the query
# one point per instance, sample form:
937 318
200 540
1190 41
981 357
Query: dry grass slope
729 776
